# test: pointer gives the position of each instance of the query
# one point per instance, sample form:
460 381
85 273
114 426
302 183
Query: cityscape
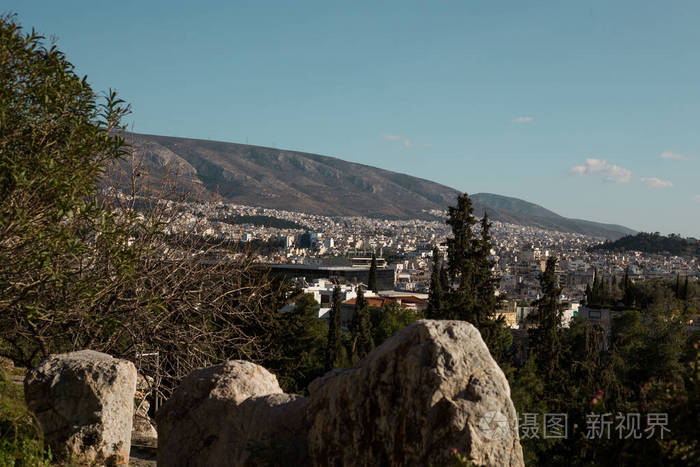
305 234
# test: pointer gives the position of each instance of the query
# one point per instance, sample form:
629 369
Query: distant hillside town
332 250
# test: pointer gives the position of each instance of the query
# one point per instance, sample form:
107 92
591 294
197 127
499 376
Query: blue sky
570 105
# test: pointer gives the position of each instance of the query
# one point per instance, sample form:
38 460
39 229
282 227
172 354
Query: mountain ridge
320 184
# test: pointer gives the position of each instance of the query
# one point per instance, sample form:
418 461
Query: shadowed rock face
220 415
432 387
84 402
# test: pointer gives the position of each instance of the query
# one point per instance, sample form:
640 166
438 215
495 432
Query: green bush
21 442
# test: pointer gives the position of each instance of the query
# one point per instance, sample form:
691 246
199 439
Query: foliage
361 328
544 341
645 365
389 319
298 345
21 442
335 339
105 269
437 287
653 243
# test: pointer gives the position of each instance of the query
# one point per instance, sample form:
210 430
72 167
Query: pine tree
334 342
435 300
372 283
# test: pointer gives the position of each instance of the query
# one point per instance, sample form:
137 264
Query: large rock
432 387
226 414
84 402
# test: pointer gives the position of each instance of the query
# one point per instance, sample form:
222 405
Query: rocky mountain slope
297 181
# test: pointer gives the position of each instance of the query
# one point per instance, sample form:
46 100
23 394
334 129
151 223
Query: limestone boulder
432 387
84 402
228 414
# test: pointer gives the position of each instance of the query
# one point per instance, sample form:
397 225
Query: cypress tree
361 327
484 281
469 290
545 343
627 295
685 293
589 294
372 283
460 260
334 338
595 290
435 300
603 291
365 343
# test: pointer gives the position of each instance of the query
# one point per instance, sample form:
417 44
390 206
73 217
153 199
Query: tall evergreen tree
372 283
361 328
435 300
334 342
461 248
589 294
627 293
469 289
544 341
484 281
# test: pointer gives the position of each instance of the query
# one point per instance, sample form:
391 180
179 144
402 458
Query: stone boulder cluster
430 389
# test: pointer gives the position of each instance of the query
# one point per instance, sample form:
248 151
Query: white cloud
609 172
524 119
672 155
391 137
657 182
428 145
697 198
407 143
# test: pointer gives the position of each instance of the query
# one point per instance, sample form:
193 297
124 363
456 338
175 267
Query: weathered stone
432 387
220 415
84 402
143 432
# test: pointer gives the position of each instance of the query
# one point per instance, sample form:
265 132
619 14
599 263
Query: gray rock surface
142 431
432 387
84 402
221 415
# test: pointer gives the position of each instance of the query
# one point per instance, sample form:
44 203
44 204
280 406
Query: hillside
312 183
517 211
654 243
